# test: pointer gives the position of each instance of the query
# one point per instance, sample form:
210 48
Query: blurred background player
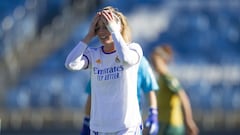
174 107
146 83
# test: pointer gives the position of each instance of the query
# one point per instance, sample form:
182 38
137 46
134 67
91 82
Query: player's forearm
88 106
87 39
129 56
187 110
152 99
191 126
74 60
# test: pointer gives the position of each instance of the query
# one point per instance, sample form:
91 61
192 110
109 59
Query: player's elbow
68 65
74 65
131 60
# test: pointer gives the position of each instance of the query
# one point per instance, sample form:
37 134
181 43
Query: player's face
103 34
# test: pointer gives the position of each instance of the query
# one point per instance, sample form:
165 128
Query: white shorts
128 131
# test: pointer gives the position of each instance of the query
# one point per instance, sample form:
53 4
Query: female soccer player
148 85
114 66
173 104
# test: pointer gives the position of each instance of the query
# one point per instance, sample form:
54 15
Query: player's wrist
85 126
153 110
86 120
87 39
114 27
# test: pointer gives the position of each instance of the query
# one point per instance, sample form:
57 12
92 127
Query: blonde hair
125 29
165 52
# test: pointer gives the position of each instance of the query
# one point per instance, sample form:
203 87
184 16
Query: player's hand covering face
111 20
92 30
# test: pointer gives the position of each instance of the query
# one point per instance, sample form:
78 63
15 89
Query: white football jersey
114 102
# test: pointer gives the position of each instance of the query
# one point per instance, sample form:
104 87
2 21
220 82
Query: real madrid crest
117 60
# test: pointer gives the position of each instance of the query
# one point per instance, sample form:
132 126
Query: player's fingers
107 14
95 20
97 17
104 20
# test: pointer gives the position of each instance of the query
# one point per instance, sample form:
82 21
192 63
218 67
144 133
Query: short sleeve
88 88
147 79
173 83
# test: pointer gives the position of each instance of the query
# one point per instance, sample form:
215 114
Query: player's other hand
151 123
92 30
85 127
